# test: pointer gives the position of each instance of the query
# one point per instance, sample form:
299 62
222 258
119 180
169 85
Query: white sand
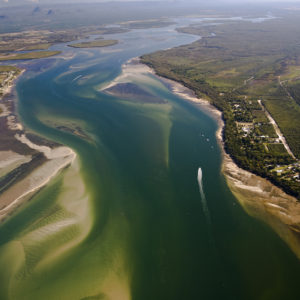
130 70
10 160
9 157
12 123
48 152
5 112
58 159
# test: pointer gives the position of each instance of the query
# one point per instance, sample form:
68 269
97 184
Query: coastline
25 167
258 196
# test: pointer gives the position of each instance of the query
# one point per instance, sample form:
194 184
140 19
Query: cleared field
277 149
259 116
268 130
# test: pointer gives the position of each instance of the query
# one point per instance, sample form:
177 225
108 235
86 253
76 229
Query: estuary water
131 219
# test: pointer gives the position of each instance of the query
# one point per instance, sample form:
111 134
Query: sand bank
265 201
130 70
16 189
258 196
57 159
10 160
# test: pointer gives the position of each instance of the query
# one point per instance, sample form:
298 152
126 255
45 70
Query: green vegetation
9 69
267 129
277 149
294 90
95 44
7 76
233 68
38 40
41 46
259 116
30 55
43 39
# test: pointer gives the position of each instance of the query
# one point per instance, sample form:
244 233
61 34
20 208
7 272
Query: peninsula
25 166
254 85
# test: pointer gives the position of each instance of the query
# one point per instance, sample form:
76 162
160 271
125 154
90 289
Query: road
277 130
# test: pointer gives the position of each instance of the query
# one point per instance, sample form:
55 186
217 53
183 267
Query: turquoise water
140 230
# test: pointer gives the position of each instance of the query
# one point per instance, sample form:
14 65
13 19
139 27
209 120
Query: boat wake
203 198
205 208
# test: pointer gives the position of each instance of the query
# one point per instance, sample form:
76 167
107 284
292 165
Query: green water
139 229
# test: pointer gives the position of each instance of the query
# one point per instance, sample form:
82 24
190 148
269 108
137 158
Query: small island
29 55
95 44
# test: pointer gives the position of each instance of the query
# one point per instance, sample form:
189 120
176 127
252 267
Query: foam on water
205 207
203 198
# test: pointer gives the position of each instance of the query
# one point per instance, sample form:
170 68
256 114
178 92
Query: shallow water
129 222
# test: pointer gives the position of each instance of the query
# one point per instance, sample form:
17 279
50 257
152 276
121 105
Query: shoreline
26 167
258 196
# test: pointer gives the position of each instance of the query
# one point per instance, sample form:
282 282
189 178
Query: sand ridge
16 189
57 159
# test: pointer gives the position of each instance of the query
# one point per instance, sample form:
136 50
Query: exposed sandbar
57 159
25 166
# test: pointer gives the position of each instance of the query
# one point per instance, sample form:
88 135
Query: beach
259 197
25 167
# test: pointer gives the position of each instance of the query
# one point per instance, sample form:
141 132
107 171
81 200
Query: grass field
268 130
30 55
41 46
8 69
259 116
95 44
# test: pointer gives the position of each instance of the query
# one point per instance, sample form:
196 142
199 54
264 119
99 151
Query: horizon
41 2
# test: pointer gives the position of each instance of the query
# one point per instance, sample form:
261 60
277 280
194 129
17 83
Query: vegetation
4 69
43 39
41 46
7 76
37 40
95 44
233 66
29 55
